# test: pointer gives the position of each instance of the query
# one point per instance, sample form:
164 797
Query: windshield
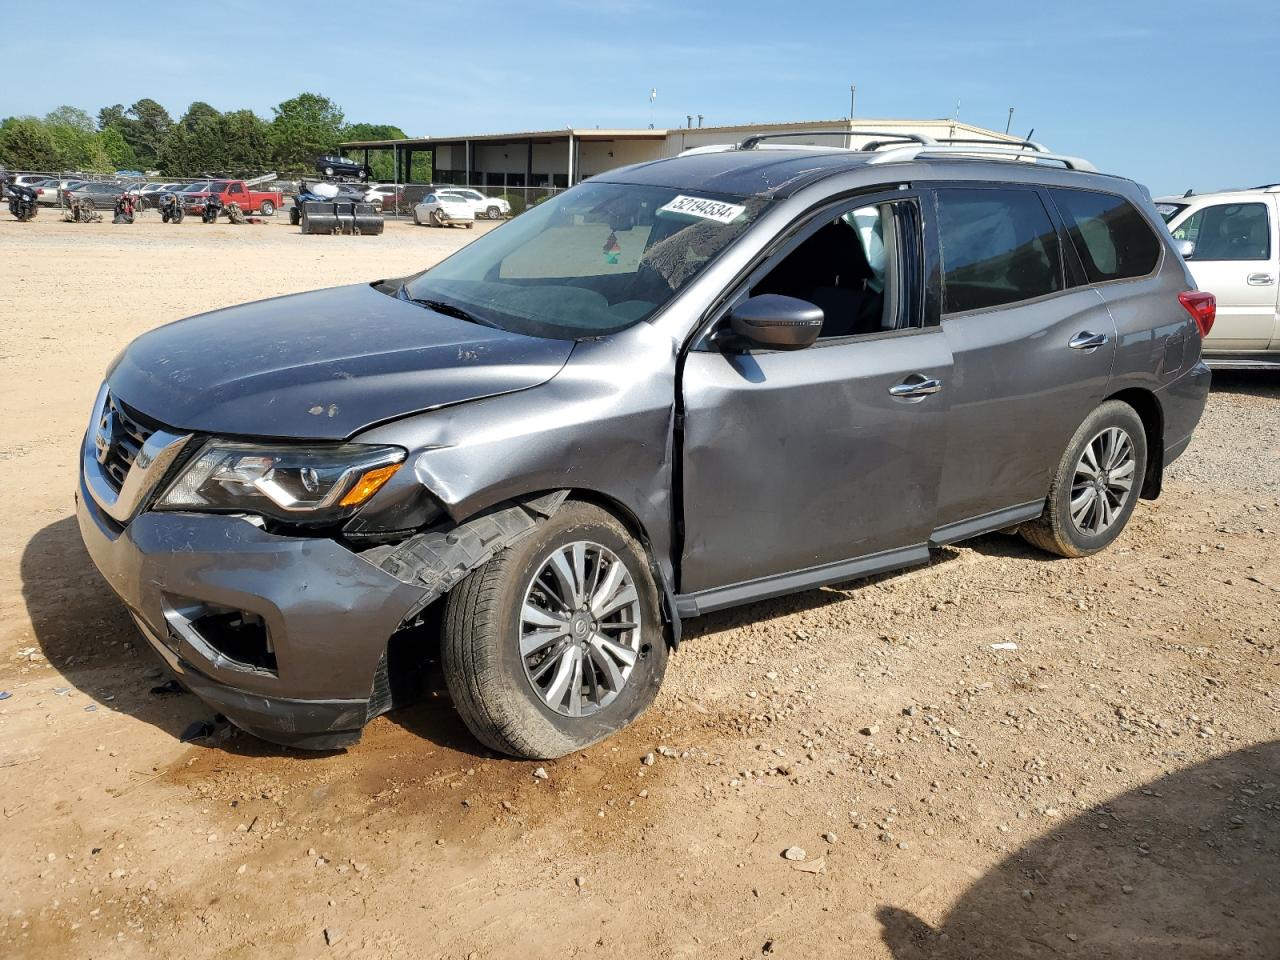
591 261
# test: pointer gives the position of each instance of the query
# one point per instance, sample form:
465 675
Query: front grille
120 436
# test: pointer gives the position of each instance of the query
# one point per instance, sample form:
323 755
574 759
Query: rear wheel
1096 485
268 208
416 219
556 642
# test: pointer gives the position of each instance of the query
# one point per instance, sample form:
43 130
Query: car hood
322 365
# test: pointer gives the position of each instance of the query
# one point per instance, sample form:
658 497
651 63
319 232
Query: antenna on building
853 98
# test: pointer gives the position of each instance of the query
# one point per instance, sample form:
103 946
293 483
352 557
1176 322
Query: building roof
648 133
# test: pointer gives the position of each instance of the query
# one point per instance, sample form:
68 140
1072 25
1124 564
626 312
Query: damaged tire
556 642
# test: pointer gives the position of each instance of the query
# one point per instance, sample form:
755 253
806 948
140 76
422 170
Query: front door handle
1088 341
1261 279
915 388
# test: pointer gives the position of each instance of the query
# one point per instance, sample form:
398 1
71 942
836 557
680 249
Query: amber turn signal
368 485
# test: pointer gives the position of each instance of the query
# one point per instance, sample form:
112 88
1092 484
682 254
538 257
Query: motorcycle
171 209
212 207
22 202
125 205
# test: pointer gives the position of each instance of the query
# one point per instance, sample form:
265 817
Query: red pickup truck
265 202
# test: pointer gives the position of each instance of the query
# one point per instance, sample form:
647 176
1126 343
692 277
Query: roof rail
988 150
755 140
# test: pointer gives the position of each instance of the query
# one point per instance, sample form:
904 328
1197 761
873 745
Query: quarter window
998 247
1228 231
1113 239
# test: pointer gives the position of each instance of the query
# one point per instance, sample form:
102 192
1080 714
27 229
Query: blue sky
1175 94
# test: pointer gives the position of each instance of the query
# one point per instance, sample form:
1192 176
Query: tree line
203 141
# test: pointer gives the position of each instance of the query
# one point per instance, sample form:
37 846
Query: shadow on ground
1247 383
1185 868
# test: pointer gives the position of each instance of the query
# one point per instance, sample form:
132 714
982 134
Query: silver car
675 388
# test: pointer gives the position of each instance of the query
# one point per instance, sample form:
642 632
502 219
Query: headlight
302 485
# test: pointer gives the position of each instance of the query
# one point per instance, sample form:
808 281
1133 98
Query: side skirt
719 598
975 526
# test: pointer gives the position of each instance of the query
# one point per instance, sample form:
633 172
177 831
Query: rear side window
1228 231
998 247
1113 239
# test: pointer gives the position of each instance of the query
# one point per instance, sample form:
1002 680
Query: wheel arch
634 526
1147 405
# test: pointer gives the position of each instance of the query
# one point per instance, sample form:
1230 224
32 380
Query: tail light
1203 308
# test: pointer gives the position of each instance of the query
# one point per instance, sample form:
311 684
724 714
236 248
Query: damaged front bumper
285 636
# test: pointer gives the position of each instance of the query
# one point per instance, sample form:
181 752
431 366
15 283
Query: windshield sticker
612 249
705 209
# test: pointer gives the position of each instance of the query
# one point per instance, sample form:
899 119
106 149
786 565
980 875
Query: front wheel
556 642
437 218
494 213
1096 486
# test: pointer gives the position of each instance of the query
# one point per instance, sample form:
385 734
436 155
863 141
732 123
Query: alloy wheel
580 628
1103 481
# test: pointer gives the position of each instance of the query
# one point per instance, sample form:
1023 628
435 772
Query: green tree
247 140
303 128
381 163
112 116
197 114
25 144
72 117
146 125
119 154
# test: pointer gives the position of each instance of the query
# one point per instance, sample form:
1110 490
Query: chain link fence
58 190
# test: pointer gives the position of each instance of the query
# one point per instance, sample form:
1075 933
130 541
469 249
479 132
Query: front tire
494 213
557 641
437 218
1096 486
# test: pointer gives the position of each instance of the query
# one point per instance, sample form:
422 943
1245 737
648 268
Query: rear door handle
1261 279
915 388
1088 341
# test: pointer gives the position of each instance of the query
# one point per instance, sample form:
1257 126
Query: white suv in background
484 208
1231 242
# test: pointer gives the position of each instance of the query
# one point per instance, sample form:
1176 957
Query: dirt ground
1108 788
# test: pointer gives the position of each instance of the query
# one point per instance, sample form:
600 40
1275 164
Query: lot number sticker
706 209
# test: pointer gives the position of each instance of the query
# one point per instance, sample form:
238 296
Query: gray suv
678 387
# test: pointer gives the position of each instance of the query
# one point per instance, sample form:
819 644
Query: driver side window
856 268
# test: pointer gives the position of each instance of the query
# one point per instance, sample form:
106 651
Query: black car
339 166
102 194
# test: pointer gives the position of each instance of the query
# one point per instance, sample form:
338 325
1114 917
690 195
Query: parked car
1231 242
149 194
675 388
97 194
444 209
484 208
335 165
49 190
265 202
386 196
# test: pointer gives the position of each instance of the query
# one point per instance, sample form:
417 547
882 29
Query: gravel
1243 413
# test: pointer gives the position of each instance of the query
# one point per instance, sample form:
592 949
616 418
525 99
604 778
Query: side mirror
776 322
1186 248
